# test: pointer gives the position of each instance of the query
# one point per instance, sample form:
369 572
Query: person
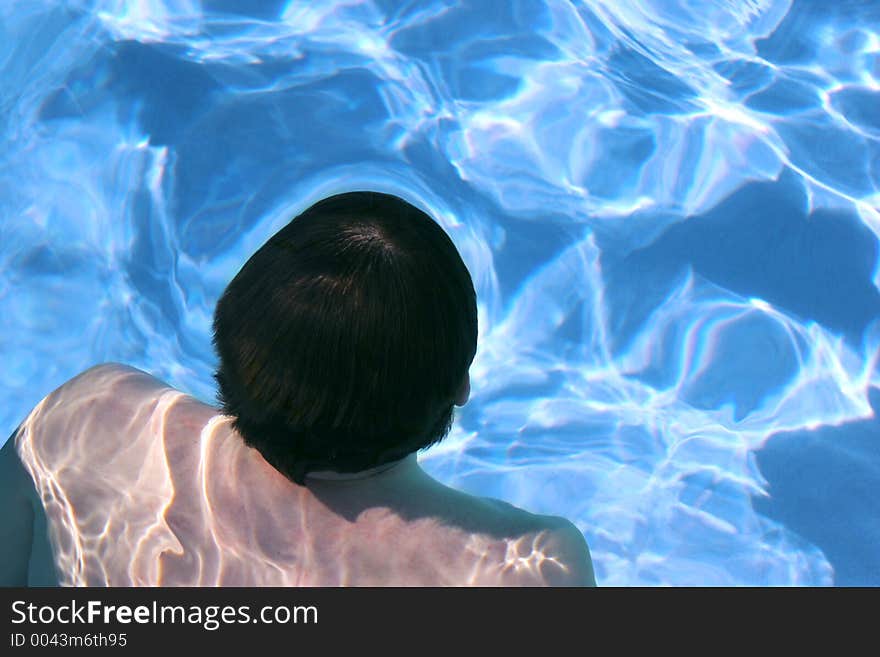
344 344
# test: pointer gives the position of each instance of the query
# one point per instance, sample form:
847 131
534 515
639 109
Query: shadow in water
823 486
760 242
816 266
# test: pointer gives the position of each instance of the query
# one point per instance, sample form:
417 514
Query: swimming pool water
670 211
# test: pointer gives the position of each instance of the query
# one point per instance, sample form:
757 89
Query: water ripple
580 155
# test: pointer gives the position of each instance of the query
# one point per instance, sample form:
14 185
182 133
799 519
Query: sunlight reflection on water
574 152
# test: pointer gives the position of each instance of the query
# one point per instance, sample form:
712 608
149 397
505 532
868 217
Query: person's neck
396 471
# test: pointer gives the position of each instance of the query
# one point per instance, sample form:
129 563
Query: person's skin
25 551
184 501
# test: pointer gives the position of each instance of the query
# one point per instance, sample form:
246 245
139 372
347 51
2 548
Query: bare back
141 484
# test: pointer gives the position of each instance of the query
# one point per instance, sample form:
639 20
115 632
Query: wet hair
343 340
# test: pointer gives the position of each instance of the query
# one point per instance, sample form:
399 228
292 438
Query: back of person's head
344 338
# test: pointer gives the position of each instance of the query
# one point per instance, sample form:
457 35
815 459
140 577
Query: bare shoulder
567 543
69 441
101 396
556 543
113 377
83 417
112 386
535 549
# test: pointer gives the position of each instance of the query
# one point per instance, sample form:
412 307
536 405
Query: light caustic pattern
183 502
573 151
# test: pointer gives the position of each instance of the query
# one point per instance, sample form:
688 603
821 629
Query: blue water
670 209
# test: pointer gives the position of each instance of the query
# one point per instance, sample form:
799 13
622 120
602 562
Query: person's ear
464 391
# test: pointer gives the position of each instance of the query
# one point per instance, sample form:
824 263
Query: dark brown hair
343 339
